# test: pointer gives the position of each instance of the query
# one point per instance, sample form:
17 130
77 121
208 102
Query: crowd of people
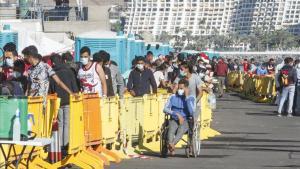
187 77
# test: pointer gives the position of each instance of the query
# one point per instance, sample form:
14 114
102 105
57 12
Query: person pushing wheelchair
181 107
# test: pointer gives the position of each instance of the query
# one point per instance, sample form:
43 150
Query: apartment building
205 17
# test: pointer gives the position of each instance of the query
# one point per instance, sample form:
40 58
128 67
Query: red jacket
221 69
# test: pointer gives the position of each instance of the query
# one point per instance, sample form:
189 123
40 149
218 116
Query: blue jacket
185 106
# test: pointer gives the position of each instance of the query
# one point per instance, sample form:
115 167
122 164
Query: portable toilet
114 44
130 50
155 47
6 36
140 47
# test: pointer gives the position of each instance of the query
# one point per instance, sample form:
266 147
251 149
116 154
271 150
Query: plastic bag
212 101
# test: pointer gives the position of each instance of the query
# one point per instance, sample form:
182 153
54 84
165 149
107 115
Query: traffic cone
55 148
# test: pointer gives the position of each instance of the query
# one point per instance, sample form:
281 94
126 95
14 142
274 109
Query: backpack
11 88
285 77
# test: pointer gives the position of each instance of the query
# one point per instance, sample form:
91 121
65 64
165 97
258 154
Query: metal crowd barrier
257 88
107 130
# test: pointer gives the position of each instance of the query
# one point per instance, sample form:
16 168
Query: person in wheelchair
180 107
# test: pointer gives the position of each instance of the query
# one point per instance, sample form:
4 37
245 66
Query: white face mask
195 68
16 74
140 66
180 92
298 65
9 62
84 61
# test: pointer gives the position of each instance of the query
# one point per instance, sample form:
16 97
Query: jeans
64 124
221 80
176 131
287 91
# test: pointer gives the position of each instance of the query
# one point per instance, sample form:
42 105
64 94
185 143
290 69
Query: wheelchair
193 142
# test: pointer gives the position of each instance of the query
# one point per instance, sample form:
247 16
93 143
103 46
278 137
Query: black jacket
140 82
292 74
68 78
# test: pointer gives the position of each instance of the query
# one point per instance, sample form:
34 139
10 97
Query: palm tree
164 37
188 36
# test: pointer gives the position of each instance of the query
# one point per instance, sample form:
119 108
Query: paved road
252 138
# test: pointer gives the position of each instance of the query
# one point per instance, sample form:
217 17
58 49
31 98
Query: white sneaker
279 115
289 115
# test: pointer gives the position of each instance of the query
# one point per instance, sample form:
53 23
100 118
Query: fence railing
45 13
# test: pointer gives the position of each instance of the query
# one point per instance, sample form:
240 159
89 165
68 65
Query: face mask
17 74
298 66
140 66
182 73
175 65
195 68
9 62
106 66
180 92
84 61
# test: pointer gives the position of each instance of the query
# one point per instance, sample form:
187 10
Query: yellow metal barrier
43 125
206 118
101 129
257 88
150 116
96 125
44 115
77 154
110 129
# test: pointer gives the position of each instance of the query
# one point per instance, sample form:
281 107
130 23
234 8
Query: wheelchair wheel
196 142
164 142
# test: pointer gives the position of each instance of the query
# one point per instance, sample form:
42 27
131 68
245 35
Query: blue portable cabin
189 52
7 36
156 48
140 47
114 44
167 49
130 50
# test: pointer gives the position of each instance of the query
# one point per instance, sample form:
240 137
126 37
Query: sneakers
289 115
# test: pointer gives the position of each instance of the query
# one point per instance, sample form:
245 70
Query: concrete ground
253 137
